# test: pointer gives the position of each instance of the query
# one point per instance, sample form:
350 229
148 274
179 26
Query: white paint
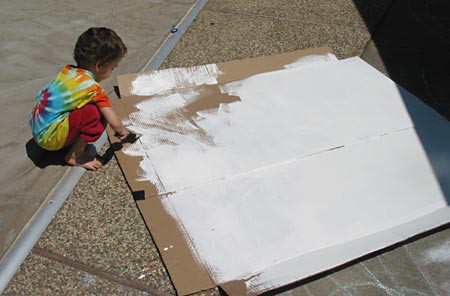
141 276
312 60
159 106
311 204
164 80
156 127
126 121
255 183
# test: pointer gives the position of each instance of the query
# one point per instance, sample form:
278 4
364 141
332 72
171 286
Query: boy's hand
122 134
114 121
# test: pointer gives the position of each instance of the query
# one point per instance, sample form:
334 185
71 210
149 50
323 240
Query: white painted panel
244 225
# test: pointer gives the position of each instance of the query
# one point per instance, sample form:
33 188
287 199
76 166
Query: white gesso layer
242 226
161 81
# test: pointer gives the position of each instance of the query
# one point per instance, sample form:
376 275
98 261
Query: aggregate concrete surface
98 243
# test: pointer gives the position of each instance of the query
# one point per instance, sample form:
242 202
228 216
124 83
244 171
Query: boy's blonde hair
99 44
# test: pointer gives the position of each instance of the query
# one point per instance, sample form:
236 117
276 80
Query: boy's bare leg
78 156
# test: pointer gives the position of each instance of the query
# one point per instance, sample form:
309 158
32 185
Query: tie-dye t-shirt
72 89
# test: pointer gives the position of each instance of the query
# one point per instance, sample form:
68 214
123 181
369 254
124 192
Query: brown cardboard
187 274
238 69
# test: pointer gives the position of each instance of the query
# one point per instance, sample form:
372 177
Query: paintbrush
132 137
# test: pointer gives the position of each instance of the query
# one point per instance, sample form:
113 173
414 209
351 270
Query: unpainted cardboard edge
236 69
239 69
187 273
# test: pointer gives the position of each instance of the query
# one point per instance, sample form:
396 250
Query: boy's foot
79 155
86 160
90 165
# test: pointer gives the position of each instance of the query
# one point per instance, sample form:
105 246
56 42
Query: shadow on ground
109 153
411 45
43 158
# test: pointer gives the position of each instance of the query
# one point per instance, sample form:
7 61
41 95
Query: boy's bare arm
114 121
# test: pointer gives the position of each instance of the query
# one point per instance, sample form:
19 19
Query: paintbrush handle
132 137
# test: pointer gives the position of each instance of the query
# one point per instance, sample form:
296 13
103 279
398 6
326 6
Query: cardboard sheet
246 184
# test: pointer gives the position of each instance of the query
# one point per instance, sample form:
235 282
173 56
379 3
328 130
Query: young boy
73 109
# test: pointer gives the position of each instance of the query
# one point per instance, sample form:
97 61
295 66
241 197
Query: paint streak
169 121
169 79
312 60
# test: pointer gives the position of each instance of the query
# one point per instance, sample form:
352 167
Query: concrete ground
98 243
